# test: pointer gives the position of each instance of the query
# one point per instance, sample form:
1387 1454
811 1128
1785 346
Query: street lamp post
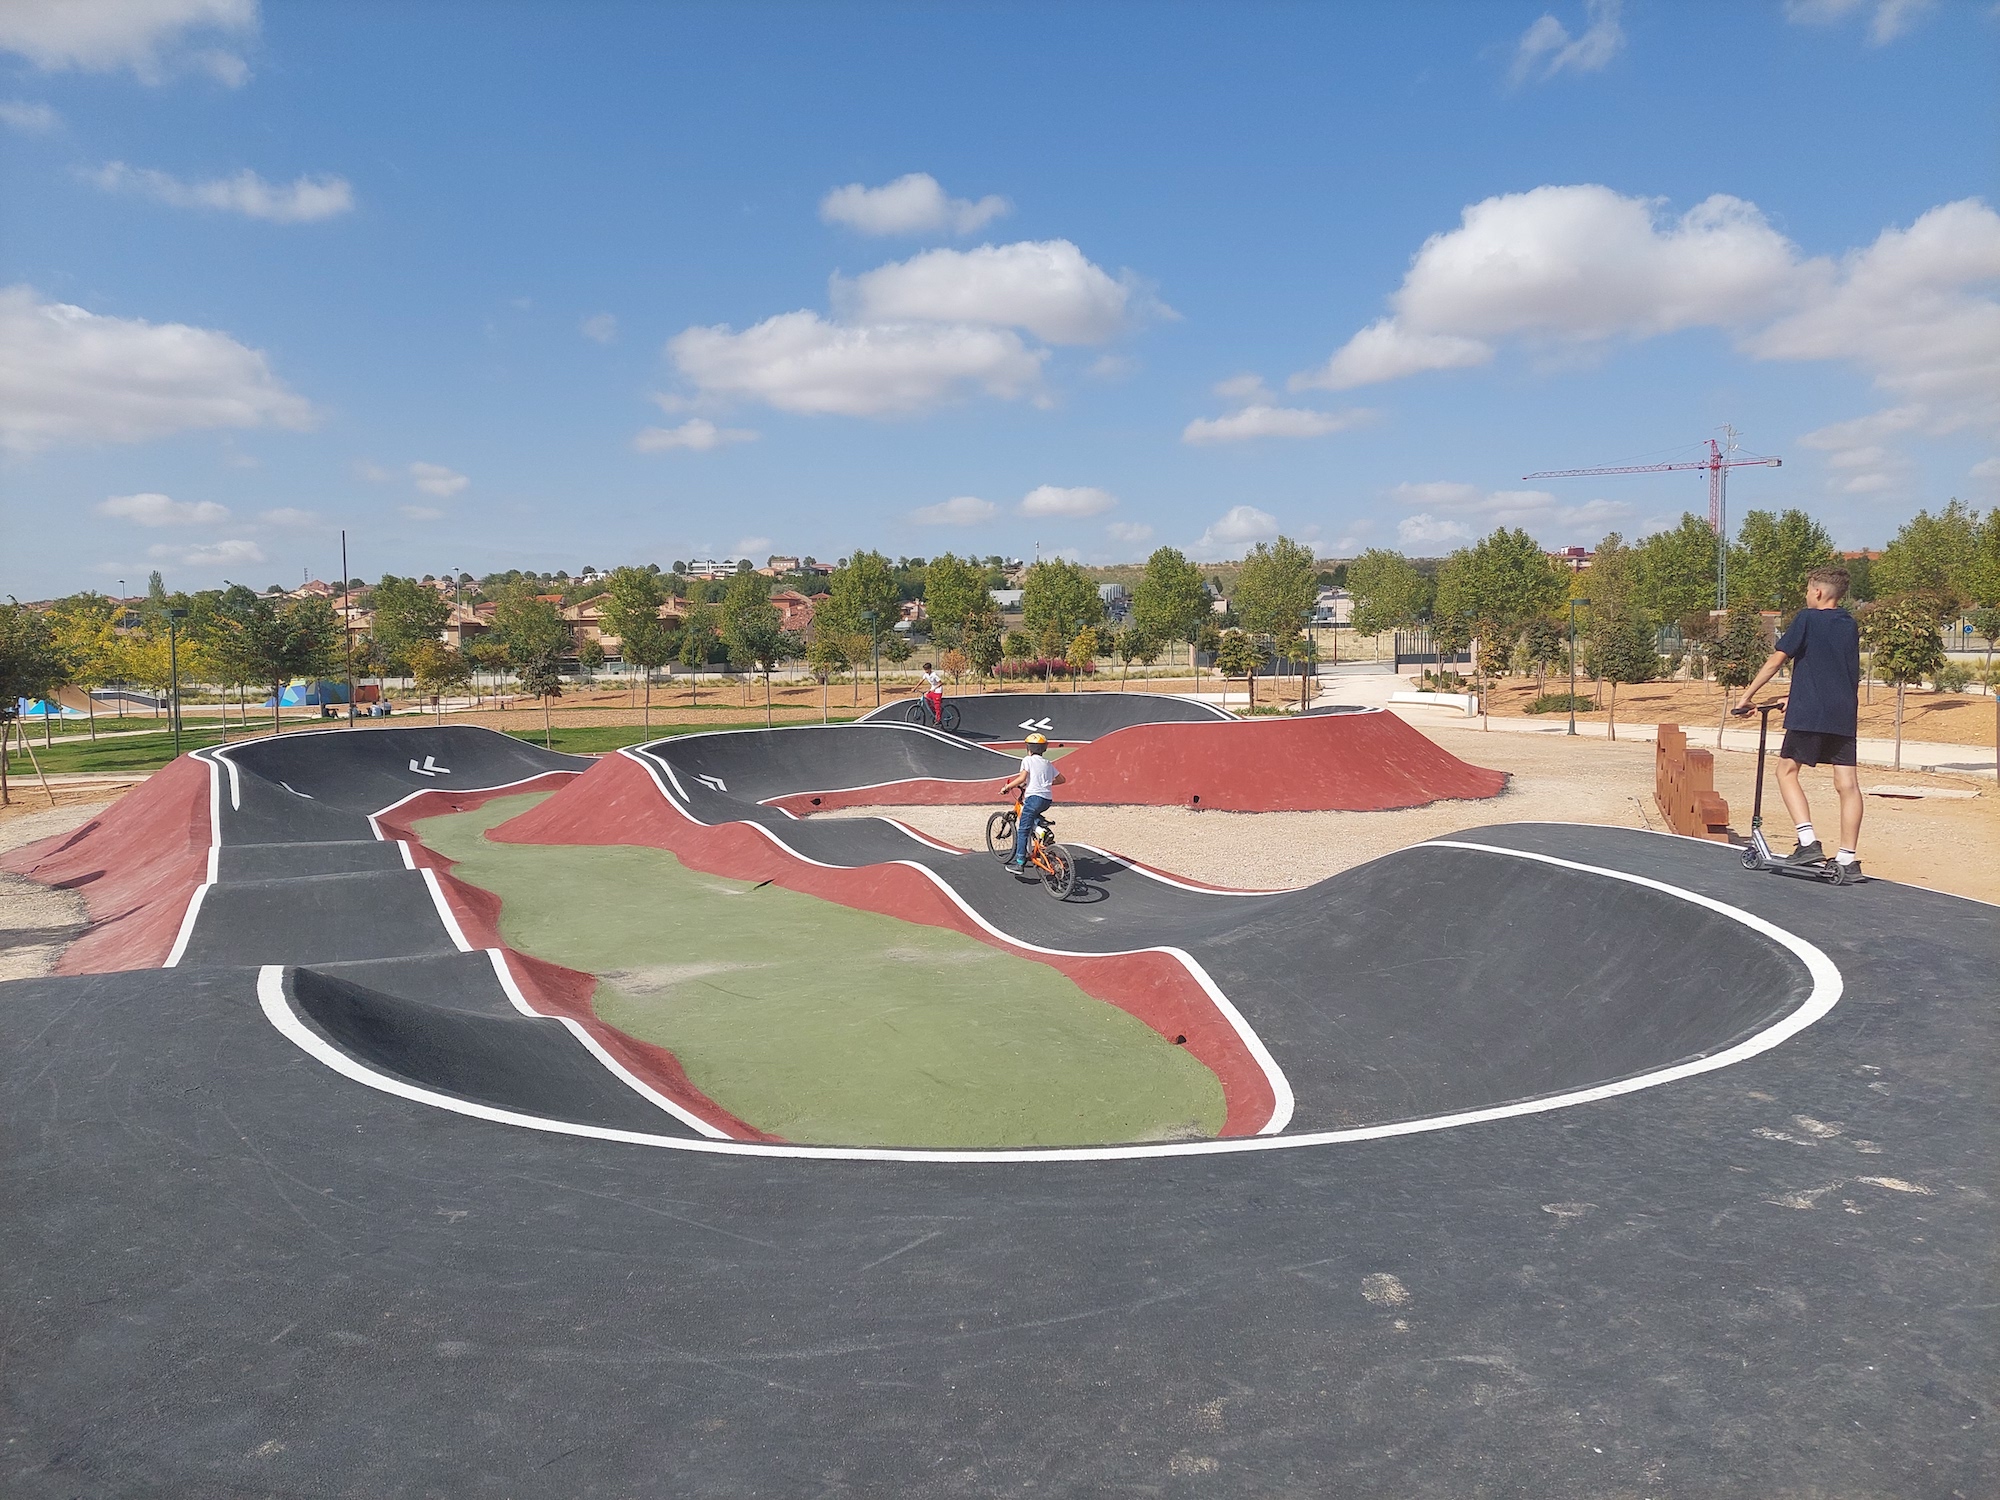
874 652
174 617
1572 660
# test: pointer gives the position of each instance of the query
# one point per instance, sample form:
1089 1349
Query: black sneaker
1805 854
1844 874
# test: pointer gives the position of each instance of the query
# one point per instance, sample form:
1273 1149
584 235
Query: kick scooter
1758 853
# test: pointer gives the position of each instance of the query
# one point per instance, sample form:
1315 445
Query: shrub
1952 677
1562 703
1042 668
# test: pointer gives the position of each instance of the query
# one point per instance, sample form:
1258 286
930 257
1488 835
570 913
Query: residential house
795 610
1576 559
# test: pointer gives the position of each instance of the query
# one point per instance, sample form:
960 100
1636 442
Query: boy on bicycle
934 694
1037 780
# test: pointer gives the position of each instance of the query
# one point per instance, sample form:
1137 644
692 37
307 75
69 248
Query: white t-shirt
933 683
1041 776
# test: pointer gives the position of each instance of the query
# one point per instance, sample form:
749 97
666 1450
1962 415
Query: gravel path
1951 845
37 922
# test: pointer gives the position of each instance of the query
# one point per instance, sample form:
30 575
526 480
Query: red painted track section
1361 762
136 864
617 802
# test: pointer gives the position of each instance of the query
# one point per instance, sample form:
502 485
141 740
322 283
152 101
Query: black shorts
1809 747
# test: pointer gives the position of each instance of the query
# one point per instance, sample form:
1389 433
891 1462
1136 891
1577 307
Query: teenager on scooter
1824 647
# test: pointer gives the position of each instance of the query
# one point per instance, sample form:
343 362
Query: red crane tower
1718 464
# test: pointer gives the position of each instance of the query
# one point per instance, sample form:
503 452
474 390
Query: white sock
1846 857
1806 834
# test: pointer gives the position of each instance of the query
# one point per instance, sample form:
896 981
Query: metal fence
1417 648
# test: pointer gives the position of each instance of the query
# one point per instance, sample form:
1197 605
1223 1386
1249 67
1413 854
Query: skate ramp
1066 718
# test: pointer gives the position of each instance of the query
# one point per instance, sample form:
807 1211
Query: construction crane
1718 464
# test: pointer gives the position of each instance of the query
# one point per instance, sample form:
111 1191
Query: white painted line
179 950
425 791
1166 879
214 863
451 927
597 1050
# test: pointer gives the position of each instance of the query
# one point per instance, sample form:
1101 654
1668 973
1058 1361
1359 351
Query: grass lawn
824 1024
595 739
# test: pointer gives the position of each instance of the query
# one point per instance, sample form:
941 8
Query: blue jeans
1032 809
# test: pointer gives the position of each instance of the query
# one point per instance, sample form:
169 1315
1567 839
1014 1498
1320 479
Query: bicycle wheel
1060 877
917 713
951 718
1000 835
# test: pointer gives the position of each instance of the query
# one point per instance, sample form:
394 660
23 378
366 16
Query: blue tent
41 708
311 694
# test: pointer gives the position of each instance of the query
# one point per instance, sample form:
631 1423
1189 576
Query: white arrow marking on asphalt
715 781
430 767
1045 725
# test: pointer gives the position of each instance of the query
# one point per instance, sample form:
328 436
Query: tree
1389 593
698 637
1058 600
1935 555
1902 635
823 659
753 628
863 598
31 664
1739 651
1238 656
438 669
271 643
982 642
1276 588
1676 569
1981 577
955 662
1772 556
955 595
1496 586
1135 643
1985 622
487 653
530 627
1451 634
1084 649
1170 602
633 597
1542 644
540 669
1625 653
83 633
407 615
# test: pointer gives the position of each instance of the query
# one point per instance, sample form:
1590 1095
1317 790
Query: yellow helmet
1038 741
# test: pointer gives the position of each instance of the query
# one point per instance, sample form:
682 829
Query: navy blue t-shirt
1825 648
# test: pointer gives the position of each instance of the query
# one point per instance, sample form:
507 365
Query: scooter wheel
1749 859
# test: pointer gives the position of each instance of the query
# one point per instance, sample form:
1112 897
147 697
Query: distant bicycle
919 712
1045 855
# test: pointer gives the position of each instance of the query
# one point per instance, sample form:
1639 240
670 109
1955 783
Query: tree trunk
767 699
6 728
277 700
1723 722
1611 718
823 684
1899 726
90 704
649 704
548 727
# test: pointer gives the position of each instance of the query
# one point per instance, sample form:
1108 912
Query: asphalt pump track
1558 1160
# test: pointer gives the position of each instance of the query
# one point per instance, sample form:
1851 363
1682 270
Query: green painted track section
831 1026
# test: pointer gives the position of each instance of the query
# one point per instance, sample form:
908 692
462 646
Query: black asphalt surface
230 1271
1066 718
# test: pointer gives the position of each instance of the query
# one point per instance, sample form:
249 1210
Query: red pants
936 704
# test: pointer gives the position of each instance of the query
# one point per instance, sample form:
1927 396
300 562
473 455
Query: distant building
773 566
1007 600
795 610
1576 559
1333 609
1117 602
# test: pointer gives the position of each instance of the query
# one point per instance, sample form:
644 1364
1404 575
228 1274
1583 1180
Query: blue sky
553 285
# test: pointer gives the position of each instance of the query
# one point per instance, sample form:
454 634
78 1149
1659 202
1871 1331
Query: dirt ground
36 922
1946 844
1939 718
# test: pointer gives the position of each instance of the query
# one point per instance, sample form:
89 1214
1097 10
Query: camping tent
311 694
41 708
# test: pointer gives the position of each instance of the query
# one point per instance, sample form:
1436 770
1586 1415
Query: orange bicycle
1049 859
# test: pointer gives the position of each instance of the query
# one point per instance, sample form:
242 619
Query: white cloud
420 512
1548 520
1046 287
912 204
72 376
1887 19
304 201
749 545
1272 421
800 362
1113 366
436 479
1074 503
159 510
211 555
696 435
1546 48
960 510
1236 531
1248 389
143 35
1128 531
1986 470
600 327
291 518
30 118
1386 350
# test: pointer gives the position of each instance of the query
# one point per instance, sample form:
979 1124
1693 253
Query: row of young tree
1503 595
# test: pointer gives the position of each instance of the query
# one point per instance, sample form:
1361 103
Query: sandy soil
1936 718
37 923
1944 844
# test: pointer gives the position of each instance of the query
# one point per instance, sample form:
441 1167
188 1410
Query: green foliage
1952 677
1389 594
1676 570
541 674
439 669
863 598
530 628
1943 556
1058 599
1740 649
31 659
631 612
955 596
590 656
1902 634
1085 646
752 626
1562 703
1771 557
1018 646
699 634
1237 655
1276 588
1625 652
1499 583
1450 634
982 644
406 615
824 658
265 641
1542 644
1169 602
896 647
1610 583
1136 643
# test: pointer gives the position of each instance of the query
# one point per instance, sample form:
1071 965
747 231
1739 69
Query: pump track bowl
1556 1160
